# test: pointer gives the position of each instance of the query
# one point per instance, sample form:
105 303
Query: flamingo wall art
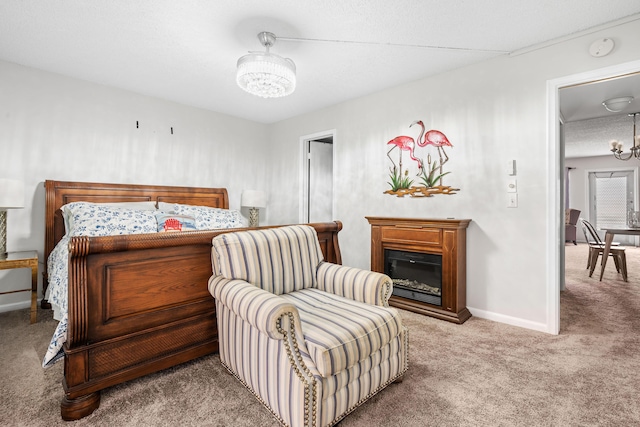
430 174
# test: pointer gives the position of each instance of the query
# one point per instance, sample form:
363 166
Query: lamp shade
254 199
11 194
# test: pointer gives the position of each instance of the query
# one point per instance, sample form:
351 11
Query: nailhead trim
312 393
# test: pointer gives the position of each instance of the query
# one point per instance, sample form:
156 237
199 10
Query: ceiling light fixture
616 146
615 105
266 74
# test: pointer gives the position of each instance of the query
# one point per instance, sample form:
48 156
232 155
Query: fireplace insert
416 276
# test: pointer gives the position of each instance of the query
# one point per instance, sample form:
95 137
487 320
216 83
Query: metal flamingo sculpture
438 140
406 143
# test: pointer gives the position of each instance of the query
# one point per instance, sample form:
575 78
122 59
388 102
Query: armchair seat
340 332
310 339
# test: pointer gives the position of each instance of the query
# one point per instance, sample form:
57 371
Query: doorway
316 195
556 181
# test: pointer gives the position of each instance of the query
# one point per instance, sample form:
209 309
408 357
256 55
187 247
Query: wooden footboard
139 304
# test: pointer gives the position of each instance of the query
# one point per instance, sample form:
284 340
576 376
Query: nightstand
27 259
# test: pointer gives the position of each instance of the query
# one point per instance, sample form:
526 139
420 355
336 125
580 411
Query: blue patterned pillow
140 206
88 219
207 218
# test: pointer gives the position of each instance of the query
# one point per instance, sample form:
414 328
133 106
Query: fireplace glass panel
415 276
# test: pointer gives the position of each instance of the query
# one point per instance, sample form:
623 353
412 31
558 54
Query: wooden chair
596 248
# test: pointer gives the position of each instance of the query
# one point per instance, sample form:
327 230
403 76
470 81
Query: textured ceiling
185 51
590 137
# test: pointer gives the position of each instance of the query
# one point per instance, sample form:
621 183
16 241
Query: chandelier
266 74
617 146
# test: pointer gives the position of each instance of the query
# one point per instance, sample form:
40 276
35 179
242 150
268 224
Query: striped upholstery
340 332
354 283
311 340
278 260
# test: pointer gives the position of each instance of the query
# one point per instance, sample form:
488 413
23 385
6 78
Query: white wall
579 180
54 127
492 112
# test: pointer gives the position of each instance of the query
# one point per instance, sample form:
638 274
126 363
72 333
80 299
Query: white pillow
90 219
206 218
139 206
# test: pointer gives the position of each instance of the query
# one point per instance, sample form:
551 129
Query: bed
137 303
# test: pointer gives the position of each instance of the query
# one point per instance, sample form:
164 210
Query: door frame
555 182
304 177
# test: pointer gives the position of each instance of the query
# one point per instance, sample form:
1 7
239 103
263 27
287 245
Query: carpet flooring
481 373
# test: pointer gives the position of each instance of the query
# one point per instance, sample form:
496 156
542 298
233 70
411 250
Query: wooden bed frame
138 303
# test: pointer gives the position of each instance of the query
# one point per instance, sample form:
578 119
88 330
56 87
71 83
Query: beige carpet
481 373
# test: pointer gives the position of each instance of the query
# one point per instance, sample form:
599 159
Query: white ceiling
186 51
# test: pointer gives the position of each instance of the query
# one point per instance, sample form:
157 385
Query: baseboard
509 320
15 306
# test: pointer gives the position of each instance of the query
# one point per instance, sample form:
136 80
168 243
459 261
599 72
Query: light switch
512 200
512 186
511 167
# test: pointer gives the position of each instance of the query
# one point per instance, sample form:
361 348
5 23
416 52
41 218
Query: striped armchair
311 340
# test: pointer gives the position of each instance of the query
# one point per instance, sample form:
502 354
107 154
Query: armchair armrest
262 309
361 285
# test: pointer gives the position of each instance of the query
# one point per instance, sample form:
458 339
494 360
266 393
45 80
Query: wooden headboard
59 193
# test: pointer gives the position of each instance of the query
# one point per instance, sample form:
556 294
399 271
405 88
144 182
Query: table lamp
11 197
254 199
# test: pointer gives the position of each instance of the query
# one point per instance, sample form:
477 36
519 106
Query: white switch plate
512 186
512 200
511 167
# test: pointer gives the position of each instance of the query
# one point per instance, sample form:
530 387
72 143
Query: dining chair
596 248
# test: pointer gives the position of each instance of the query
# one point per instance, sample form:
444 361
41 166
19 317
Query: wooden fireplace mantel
445 237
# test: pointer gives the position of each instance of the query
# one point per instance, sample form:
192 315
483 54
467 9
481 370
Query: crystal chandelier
266 74
617 146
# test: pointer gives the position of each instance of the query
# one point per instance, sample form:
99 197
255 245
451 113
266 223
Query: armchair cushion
571 216
278 260
340 332
361 285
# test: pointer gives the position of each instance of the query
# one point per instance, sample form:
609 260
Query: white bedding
89 219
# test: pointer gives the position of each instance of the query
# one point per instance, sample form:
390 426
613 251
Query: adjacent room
455 185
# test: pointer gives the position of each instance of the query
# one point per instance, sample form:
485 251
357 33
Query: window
611 196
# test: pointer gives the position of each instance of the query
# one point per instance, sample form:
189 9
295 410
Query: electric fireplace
416 276
426 259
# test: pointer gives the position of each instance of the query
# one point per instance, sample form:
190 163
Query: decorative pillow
206 218
140 206
90 219
174 222
166 207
